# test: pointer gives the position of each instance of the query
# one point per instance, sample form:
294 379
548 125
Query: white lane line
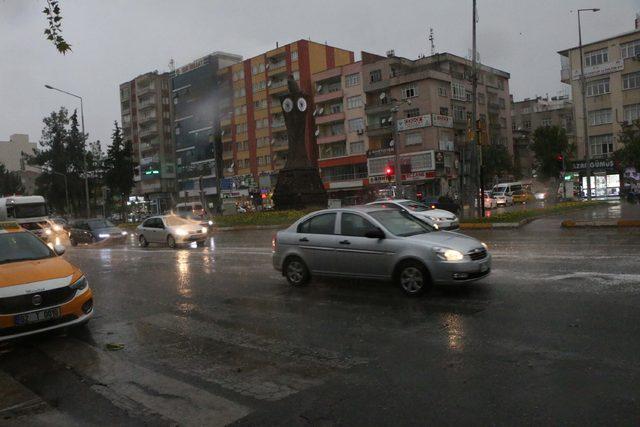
124 381
605 278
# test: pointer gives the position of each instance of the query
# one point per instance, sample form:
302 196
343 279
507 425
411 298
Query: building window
412 112
501 102
352 80
598 87
631 81
469 96
354 102
294 55
409 92
422 162
631 113
600 117
356 147
335 149
356 124
458 113
261 85
596 57
481 98
442 91
444 111
262 123
260 105
336 108
414 138
375 75
526 124
546 122
296 76
630 50
601 145
241 128
458 92
503 123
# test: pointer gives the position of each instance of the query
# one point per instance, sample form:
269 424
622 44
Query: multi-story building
340 122
530 114
198 96
13 156
253 133
145 109
612 88
433 98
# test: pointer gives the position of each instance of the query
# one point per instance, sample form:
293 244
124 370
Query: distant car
540 195
437 218
171 230
87 231
503 198
443 202
377 242
522 196
489 201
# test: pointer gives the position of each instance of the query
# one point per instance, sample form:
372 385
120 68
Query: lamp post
84 150
584 103
396 149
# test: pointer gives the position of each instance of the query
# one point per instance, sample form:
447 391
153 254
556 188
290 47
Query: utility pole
583 90
476 150
396 153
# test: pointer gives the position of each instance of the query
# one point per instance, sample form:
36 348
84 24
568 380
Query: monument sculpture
299 184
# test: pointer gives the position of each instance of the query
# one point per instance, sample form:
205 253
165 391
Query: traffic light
560 162
390 171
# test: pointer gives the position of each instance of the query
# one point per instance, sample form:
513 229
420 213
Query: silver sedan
171 230
377 243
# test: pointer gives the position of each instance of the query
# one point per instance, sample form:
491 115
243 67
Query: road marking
122 381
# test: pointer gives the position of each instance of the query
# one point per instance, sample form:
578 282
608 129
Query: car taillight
274 242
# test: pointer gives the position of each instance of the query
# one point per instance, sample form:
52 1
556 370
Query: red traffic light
559 157
389 171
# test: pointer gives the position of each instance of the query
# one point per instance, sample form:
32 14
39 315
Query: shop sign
380 152
417 176
442 121
600 164
379 179
414 122
596 70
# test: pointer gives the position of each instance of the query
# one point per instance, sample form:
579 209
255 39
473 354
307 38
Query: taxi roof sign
9 226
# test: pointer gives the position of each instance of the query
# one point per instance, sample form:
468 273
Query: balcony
280 145
378 108
149 117
227 154
146 89
327 96
328 118
147 132
565 75
331 137
150 102
276 124
277 68
377 130
494 106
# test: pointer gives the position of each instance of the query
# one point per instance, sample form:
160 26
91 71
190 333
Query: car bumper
276 259
448 225
200 237
71 313
460 272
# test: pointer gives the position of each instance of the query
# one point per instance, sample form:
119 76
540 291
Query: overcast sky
116 40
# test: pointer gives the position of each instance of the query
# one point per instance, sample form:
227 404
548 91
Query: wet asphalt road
214 336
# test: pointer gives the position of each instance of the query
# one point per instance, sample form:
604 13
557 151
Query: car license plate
484 267
37 316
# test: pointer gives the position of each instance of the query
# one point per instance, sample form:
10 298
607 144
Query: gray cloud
113 41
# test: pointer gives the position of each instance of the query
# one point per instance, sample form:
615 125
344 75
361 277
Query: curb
250 227
495 225
612 223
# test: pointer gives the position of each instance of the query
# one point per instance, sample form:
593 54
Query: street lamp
84 151
584 103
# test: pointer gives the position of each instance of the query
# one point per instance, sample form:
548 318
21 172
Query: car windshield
173 221
401 223
16 247
99 223
415 206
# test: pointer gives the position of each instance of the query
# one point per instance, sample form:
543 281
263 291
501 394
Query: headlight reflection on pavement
454 325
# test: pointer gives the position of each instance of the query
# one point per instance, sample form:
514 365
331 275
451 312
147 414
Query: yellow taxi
522 196
39 291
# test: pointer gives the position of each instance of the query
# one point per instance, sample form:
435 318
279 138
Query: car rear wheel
73 241
413 278
171 242
296 272
143 241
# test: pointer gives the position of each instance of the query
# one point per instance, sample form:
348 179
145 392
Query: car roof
356 208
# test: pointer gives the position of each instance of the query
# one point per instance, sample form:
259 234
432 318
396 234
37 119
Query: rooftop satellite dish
321 111
269 83
317 132
390 119
267 65
392 143
382 96
273 141
315 112
408 102
319 88
222 132
384 121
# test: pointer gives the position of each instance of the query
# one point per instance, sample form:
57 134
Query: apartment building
198 96
528 115
253 132
612 88
340 124
145 110
12 156
433 98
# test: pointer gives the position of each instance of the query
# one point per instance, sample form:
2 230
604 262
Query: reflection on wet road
214 335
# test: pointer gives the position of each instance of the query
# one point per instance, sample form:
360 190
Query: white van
191 210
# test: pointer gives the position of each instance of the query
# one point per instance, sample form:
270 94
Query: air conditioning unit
360 131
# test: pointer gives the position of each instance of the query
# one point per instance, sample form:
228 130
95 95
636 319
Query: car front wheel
296 272
171 241
143 241
413 278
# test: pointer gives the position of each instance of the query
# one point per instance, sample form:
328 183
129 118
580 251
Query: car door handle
304 239
345 242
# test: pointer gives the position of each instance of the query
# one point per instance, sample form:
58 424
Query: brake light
274 242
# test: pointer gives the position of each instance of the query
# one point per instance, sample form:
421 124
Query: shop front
605 179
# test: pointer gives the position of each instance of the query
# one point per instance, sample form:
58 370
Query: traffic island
601 223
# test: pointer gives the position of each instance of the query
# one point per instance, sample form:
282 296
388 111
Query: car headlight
433 218
210 223
448 254
48 232
181 232
124 233
57 228
103 235
205 229
484 245
80 285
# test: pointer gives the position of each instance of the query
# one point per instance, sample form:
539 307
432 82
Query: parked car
377 242
171 230
437 218
87 231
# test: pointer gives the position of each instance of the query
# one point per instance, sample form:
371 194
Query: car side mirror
375 234
59 250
